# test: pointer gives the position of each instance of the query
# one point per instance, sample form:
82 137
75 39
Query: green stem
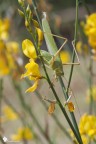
75 38
86 7
37 13
71 113
60 104
53 90
29 110
53 115
71 72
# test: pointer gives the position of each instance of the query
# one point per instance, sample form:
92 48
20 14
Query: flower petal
40 36
33 88
29 49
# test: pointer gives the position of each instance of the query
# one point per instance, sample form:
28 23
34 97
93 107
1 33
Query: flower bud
28 9
20 13
21 2
26 23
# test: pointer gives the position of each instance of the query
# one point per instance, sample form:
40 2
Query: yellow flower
93 93
9 114
40 36
81 48
90 30
4 27
87 126
4 69
84 139
92 41
2 46
33 73
23 133
8 56
32 68
29 49
39 32
65 56
12 47
90 26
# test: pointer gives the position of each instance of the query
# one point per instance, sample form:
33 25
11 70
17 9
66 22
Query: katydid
52 57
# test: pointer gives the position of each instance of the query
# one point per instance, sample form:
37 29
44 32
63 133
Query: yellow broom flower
29 49
23 133
65 56
33 73
9 114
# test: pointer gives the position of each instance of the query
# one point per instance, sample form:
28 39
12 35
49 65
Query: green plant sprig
57 98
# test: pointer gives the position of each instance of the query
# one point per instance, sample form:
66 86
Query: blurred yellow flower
90 29
65 56
12 47
4 28
9 114
87 126
23 133
93 93
9 54
9 51
83 137
81 48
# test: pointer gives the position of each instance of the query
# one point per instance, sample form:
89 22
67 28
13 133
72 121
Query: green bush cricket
52 57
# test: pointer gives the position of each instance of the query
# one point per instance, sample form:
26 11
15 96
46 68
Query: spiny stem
53 115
